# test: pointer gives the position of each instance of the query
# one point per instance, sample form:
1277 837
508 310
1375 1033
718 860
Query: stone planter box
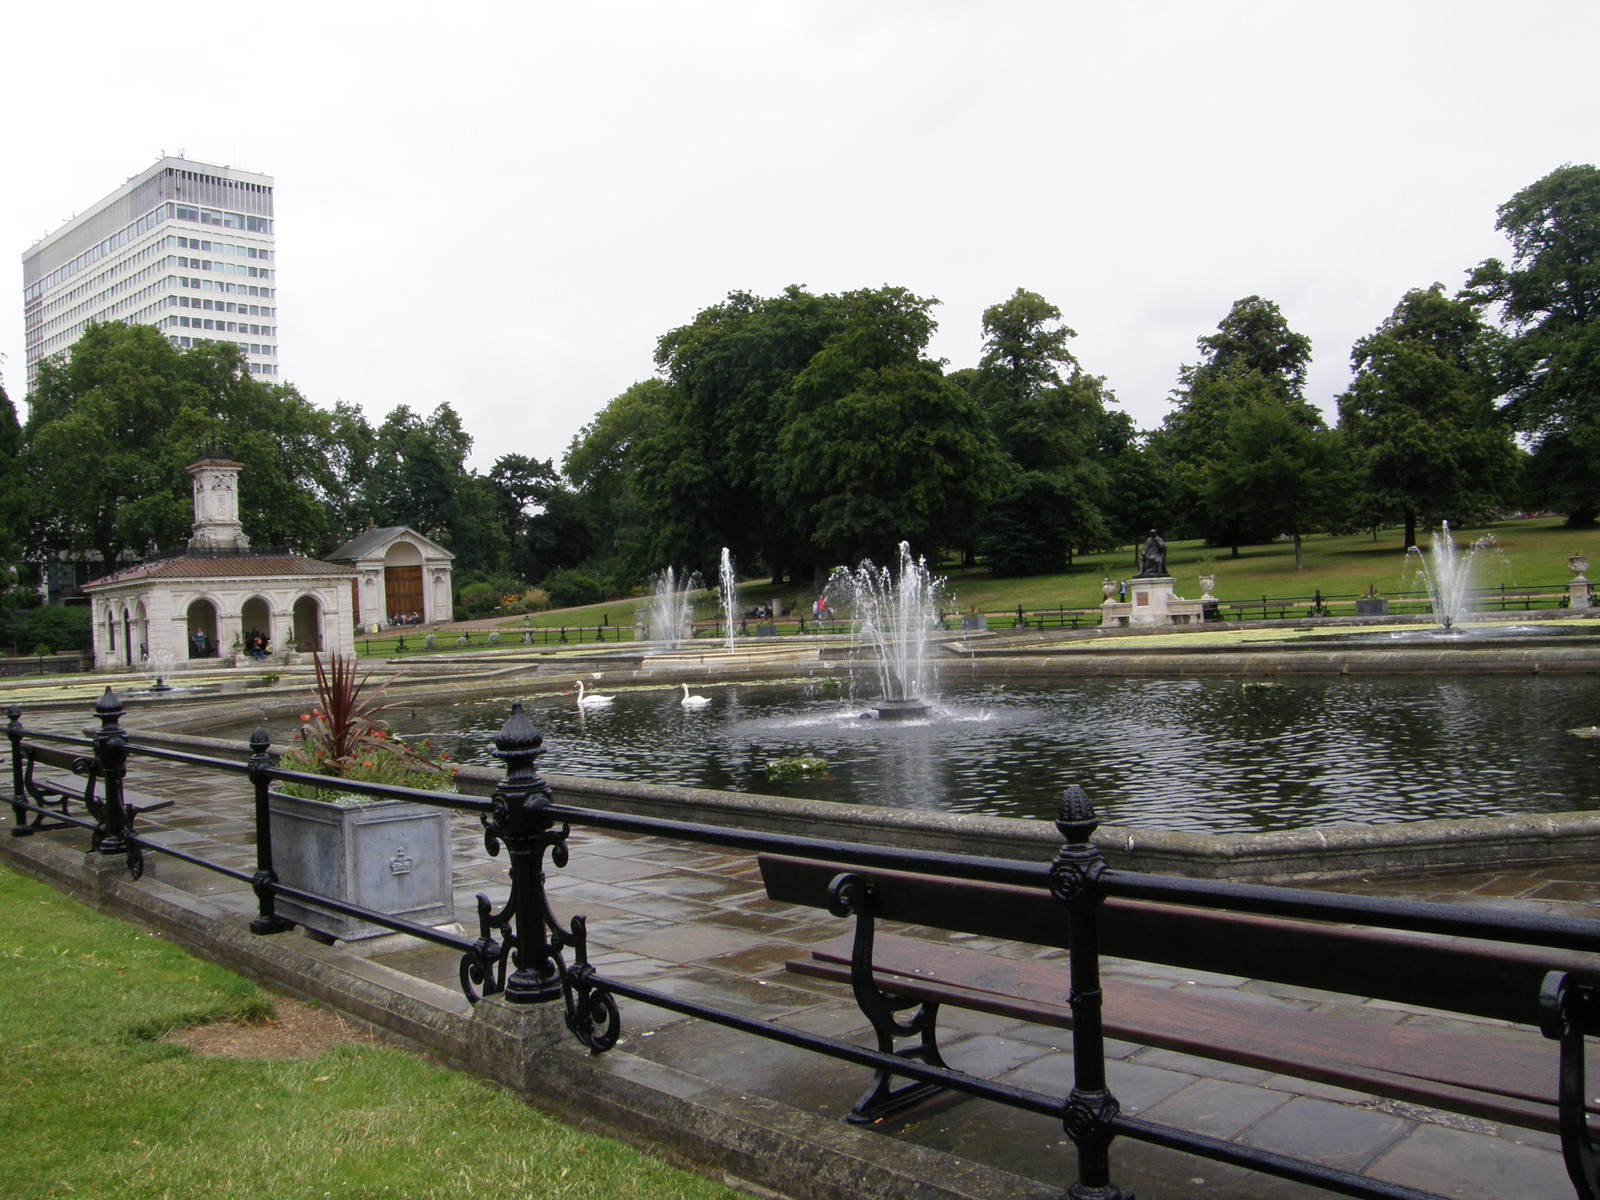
392 856
1372 606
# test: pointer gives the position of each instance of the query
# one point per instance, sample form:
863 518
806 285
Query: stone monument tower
216 505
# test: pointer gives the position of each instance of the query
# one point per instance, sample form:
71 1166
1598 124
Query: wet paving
695 922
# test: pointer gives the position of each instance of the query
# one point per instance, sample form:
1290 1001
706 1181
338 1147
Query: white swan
591 700
690 701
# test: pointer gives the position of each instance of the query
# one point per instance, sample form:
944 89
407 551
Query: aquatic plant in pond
893 613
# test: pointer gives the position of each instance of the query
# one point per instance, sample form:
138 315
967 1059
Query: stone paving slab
694 923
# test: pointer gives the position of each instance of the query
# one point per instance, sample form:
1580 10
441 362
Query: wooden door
403 590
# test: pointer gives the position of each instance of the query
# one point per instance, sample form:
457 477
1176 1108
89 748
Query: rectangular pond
1212 755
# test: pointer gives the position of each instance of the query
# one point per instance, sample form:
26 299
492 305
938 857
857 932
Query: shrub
342 738
51 626
479 599
531 601
568 589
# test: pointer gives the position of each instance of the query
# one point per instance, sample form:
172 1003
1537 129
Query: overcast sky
504 206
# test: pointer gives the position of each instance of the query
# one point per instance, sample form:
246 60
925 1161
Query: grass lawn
95 1104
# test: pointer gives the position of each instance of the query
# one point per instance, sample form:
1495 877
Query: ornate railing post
267 919
14 734
1090 1109
111 753
518 819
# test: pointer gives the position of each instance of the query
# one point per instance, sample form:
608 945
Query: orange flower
305 716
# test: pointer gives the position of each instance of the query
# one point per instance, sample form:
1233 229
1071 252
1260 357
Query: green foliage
480 599
789 769
531 601
1549 298
48 625
569 589
343 739
1254 362
1419 416
112 426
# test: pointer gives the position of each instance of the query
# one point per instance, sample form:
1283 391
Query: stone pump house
204 603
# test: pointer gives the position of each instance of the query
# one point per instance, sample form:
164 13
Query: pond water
1200 755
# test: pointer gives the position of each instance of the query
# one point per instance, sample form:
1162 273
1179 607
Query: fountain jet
669 615
1447 573
728 587
893 613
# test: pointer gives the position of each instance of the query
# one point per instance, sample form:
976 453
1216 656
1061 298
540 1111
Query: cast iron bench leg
852 895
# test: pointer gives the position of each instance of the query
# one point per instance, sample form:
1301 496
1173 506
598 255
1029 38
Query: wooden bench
1502 1074
53 778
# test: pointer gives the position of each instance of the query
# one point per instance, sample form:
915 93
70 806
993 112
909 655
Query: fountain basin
899 710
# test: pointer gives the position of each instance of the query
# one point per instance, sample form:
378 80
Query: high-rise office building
183 246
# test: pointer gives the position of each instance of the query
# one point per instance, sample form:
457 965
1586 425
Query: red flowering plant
343 738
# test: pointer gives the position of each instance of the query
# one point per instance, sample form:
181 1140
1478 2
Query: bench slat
1509 1077
1483 979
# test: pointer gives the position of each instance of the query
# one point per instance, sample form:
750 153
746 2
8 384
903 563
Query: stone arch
402 581
307 624
141 631
255 617
203 625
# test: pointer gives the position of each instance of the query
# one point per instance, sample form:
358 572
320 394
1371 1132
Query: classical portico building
402 577
207 601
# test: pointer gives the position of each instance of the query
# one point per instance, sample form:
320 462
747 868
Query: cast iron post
267 919
14 733
518 819
1091 1109
111 752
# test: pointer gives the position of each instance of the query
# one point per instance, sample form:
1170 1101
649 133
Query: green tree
876 445
416 474
1419 417
603 465
14 488
546 523
1549 298
1253 358
710 476
112 426
1050 422
1284 472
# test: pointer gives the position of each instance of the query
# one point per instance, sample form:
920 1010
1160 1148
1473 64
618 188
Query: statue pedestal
1578 593
1155 604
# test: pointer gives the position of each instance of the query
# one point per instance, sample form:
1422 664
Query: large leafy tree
1050 422
546 524
1252 359
416 475
112 426
710 474
1549 298
1420 417
14 489
796 429
877 446
603 465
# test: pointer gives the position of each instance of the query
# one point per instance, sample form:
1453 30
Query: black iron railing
527 953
